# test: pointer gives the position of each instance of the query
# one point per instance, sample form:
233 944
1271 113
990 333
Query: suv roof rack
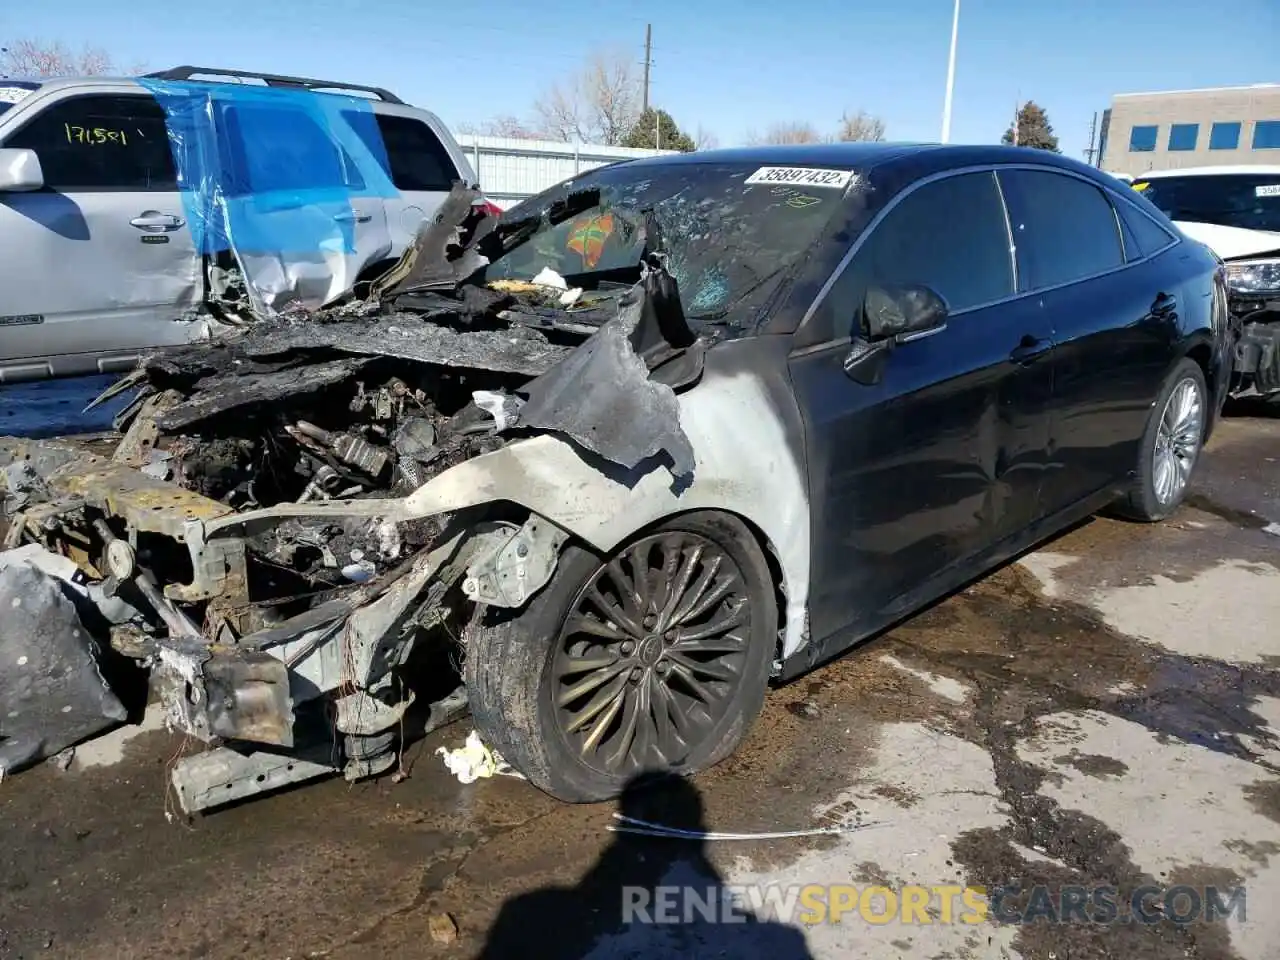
272 80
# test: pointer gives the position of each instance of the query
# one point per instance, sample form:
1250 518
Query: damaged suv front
1235 212
298 509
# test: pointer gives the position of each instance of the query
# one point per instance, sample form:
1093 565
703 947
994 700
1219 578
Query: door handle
153 221
1164 304
1030 349
353 217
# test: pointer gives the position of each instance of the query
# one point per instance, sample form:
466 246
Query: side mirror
891 316
902 312
20 171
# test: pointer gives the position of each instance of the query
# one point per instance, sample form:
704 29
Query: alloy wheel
651 652
1178 441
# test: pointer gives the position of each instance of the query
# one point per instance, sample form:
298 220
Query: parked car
1235 211
106 240
814 389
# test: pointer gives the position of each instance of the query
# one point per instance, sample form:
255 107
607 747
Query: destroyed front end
282 526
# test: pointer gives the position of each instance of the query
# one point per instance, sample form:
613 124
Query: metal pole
648 50
951 76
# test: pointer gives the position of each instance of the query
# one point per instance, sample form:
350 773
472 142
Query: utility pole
648 61
1093 132
1017 119
951 76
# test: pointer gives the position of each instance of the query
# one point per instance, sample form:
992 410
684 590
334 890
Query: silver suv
99 256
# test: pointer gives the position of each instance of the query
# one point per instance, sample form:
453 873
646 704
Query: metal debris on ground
52 692
474 761
648 829
276 532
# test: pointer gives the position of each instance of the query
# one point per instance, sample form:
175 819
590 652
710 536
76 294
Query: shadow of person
650 897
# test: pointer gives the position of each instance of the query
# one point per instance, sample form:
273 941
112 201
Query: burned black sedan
671 430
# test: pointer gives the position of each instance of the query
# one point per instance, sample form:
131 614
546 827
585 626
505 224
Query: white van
99 256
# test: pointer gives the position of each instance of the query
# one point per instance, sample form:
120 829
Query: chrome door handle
353 217
153 220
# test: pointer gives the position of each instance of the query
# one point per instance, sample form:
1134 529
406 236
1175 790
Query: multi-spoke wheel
655 658
1171 445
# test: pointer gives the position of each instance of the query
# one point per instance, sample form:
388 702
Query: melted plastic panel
273 173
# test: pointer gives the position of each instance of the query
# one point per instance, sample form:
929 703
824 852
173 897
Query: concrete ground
1104 711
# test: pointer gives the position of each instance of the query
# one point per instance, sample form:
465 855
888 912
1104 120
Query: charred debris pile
373 397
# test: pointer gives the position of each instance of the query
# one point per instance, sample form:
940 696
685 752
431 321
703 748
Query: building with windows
1191 128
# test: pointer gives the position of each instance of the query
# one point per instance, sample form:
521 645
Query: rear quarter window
1142 235
411 153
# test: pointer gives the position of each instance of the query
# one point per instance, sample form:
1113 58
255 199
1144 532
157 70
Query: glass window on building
1143 139
1266 135
1224 136
1183 136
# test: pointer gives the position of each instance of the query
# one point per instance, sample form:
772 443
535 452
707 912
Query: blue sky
728 66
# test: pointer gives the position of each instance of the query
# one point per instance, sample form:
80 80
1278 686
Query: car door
301 218
914 475
100 263
1114 326
417 163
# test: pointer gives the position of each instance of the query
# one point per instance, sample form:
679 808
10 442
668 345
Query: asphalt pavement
1100 718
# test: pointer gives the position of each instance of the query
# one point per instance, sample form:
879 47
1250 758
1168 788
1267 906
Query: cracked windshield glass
727 241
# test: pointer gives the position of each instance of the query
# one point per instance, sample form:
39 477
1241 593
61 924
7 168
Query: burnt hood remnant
601 395
52 692
444 252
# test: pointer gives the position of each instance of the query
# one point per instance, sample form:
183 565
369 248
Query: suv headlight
1254 276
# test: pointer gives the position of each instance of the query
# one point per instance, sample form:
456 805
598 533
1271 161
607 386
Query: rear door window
279 149
413 156
101 143
1064 228
949 235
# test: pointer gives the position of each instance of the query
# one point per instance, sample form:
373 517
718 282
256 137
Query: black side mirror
890 316
901 312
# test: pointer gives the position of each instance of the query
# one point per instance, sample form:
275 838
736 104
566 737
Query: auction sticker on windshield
13 94
1267 190
806 176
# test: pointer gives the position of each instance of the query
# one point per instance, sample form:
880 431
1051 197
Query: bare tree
599 104
704 139
36 58
513 128
860 126
782 133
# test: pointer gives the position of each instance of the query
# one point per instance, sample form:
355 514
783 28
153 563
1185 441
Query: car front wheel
655 658
1171 445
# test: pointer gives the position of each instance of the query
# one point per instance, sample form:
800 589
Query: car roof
1240 169
57 83
863 156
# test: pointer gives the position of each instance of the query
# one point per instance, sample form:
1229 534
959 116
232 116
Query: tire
1155 494
518 676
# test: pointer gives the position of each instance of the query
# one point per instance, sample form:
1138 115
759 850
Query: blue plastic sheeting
258 169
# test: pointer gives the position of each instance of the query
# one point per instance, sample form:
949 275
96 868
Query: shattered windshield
728 242
1249 201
